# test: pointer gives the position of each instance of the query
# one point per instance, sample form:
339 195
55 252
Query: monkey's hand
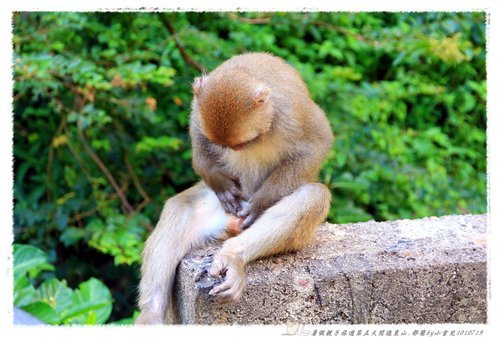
226 190
232 288
230 200
256 205
272 190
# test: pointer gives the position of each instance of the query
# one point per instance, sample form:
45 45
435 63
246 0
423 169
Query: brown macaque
258 143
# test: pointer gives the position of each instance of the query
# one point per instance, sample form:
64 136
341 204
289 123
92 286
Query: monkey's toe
220 288
232 287
217 269
228 291
229 296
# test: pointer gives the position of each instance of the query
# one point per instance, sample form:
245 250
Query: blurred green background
101 106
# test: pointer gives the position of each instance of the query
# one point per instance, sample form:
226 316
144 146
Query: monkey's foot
232 288
204 281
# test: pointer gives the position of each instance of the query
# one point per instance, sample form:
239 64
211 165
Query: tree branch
342 30
48 176
103 168
135 179
252 21
168 25
90 151
80 216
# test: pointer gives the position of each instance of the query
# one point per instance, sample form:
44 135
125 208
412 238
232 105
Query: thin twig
80 216
48 175
252 21
135 179
146 198
342 30
167 24
78 158
125 184
139 208
70 147
90 151
103 168
265 20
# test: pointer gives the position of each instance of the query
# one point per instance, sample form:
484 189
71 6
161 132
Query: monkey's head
234 107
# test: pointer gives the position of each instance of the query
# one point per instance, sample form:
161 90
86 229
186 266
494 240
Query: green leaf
151 144
56 294
71 235
43 312
91 304
29 259
120 237
60 201
24 292
350 185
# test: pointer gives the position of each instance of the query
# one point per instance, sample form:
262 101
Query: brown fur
257 104
224 114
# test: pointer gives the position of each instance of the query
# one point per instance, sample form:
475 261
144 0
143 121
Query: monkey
258 141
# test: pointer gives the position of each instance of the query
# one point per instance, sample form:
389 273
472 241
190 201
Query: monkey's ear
261 95
197 84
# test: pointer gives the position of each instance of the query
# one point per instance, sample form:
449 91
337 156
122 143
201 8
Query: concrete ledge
431 270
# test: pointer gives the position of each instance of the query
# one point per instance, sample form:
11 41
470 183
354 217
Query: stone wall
431 270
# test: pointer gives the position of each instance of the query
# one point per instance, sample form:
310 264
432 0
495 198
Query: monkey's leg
286 226
188 220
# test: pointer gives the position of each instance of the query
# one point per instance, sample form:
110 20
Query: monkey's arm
222 183
292 173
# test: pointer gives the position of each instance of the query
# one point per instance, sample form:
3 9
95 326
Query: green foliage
53 301
101 110
120 237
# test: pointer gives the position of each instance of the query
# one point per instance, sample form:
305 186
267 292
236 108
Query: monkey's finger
224 203
234 205
248 221
245 209
228 197
243 213
220 196
227 204
226 207
230 208
237 207
235 192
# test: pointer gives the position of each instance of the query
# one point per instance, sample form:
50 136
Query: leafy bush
53 301
101 106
